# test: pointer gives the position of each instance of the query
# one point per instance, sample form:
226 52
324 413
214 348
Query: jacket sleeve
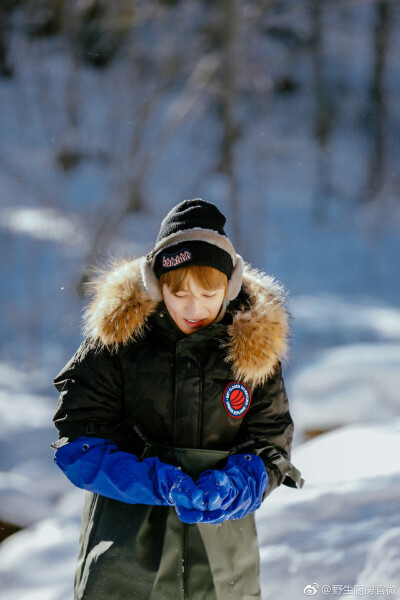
91 395
89 419
267 430
99 466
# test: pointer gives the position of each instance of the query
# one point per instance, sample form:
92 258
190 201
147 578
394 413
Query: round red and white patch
236 399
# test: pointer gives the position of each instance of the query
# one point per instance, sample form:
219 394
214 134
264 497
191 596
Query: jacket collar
165 325
257 335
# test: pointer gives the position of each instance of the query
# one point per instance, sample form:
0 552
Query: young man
174 417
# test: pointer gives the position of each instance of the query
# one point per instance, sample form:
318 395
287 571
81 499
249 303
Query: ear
235 282
150 281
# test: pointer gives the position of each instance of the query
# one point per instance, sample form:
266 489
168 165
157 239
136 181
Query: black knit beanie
192 233
192 215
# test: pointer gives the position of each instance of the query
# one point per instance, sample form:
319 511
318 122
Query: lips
194 323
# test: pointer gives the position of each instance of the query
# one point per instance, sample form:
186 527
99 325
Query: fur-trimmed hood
257 338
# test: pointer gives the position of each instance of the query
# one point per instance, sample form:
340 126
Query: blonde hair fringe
207 278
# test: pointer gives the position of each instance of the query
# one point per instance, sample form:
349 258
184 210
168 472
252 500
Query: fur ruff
119 307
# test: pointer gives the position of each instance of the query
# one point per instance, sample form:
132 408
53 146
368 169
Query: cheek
179 308
174 308
170 304
215 308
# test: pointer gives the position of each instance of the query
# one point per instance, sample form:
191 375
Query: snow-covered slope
342 529
332 532
350 383
30 484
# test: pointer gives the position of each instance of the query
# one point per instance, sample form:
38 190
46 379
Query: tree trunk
378 104
323 119
228 98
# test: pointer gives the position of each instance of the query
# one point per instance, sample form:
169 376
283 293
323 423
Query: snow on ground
38 563
30 484
329 314
347 384
43 224
342 529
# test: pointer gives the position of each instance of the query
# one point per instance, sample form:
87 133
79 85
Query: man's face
193 307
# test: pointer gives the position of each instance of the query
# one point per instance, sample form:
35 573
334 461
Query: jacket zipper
184 562
200 418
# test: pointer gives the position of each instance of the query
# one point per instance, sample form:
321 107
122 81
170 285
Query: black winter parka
138 380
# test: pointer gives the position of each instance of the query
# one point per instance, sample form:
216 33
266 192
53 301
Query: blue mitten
200 516
187 515
186 494
213 495
249 480
249 476
97 465
218 489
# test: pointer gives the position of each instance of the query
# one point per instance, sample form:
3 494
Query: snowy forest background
286 114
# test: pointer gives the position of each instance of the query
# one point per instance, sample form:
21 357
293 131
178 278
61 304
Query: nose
194 308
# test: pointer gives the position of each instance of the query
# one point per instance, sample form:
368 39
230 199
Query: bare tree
323 116
5 67
377 159
228 100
